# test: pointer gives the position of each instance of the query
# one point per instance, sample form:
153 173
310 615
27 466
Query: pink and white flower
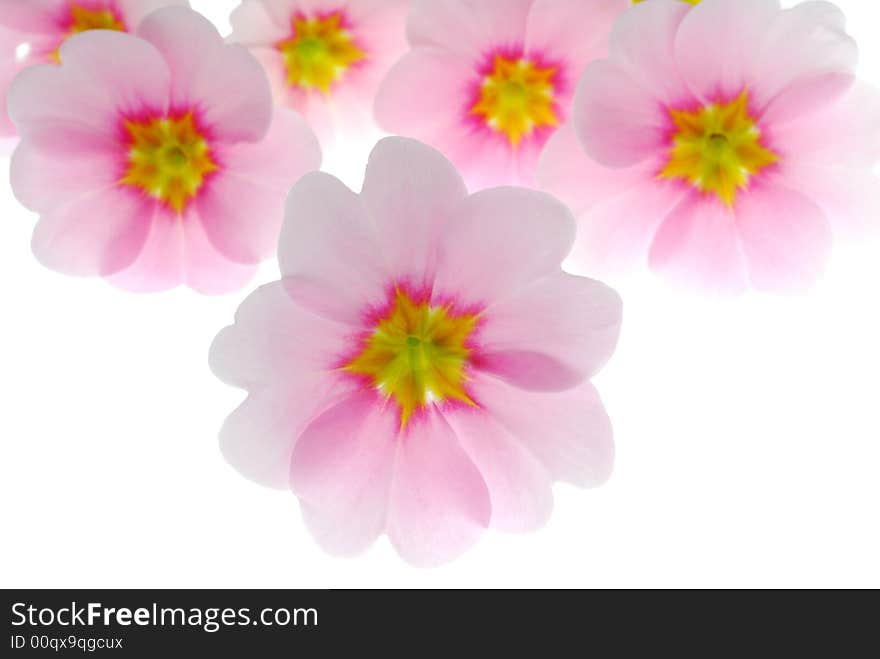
488 82
724 145
32 31
423 367
154 160
325 58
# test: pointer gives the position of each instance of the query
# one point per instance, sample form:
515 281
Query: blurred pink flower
154 160
32 31
487 82
424 364
724 144
324 58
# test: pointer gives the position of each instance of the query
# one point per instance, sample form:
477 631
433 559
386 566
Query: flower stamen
169 159
717 149
320 52
517 97
417 355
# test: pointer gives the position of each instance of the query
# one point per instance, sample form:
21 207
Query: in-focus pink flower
325 58
154 160
487 82
32 31
424 365
722 144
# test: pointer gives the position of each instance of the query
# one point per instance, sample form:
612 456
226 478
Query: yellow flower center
717 149
417 355
319 53
168 159
82 19
516 98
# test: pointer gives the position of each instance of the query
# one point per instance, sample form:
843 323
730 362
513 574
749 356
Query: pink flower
324 58
32 31
424 365
154 160
724 144
489 82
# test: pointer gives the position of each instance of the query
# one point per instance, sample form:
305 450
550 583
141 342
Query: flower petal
160 264
224 81
42 182
643 45
442 80
468 27
329 249
618 210
519 485
697 247
284 355
243 207
276 341
98 233
254 25
410 191
207 271
806 61
137 10
573 31
439 504
573 323
616 120
786 238
500 240
341 469
716 42
568 432
76 107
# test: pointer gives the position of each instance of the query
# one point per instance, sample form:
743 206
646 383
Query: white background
748 437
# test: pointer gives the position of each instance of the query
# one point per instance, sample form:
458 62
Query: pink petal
27 16
254 25
439 502
330 250
98 233
137 10
519 485
716 43
43 182
572 31
501 240
442 80
843 134
76 107
468 27
805 61
207 270
160 264
697 247
616 120
341 470
849 198
786 238
573 323
284 355
834 165
276 341
617 210
568 432
643 45
224 81
178 252
243 207
410 191
9 68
